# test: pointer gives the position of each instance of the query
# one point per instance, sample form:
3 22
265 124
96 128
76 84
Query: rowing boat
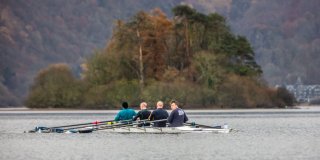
131 127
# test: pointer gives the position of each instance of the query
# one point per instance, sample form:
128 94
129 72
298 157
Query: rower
143 114
177 116
159 114
125 114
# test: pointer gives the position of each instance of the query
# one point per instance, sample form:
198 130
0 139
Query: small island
192 57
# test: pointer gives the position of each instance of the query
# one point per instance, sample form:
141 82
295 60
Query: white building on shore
304 93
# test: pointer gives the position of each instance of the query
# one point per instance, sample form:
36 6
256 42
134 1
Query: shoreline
297 109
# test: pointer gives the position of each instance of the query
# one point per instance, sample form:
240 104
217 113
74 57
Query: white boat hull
166 130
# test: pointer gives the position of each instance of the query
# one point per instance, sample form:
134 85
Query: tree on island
192 57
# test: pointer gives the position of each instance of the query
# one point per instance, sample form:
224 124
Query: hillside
34 34
286 38
285 35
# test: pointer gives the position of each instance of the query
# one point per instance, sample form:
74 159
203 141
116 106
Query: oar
125 125
89 130
95 124
82 124
89 125
60 129
104 124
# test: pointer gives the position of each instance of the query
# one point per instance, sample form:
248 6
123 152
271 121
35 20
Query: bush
188 94
111 95
55 87
243 92
287 98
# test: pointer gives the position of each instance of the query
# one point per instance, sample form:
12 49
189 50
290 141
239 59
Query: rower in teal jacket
125 114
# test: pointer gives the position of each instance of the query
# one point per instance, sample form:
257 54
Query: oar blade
85 130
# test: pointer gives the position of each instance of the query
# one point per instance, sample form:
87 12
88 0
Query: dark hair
125 105
174 101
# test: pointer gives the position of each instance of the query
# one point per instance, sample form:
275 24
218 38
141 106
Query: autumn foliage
193 58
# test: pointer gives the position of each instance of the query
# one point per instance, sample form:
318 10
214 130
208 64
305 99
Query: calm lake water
272 134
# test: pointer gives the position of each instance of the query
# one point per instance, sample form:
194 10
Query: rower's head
159 104
125 105
143 105
174 104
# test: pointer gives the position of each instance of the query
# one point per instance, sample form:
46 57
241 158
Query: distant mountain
285 35
36 33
